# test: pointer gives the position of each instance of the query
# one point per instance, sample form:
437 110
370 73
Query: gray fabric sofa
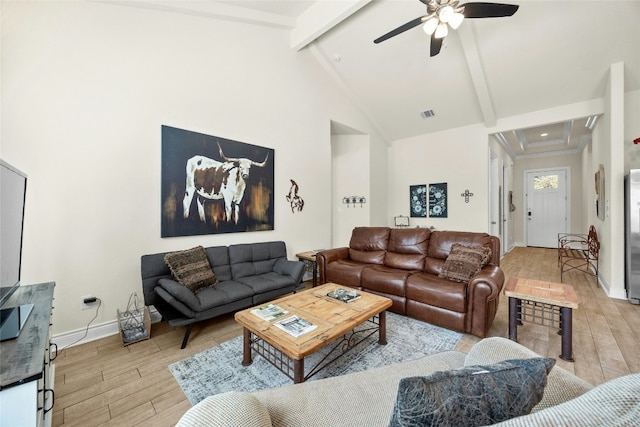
367 398
249 274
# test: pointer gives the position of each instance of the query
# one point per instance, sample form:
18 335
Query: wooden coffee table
344 324
542 303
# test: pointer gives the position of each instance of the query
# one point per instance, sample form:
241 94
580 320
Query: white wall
608 150
631 130
86 87
350 178
458 157
505 167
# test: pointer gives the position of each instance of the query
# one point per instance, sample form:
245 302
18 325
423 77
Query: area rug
219 369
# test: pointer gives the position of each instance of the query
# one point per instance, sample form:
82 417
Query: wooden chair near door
578 252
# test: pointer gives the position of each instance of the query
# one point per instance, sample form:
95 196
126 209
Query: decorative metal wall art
347 200
294 200
213 185
466 195
418 201
438 200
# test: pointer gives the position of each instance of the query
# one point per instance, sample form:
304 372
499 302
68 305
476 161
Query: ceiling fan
442 14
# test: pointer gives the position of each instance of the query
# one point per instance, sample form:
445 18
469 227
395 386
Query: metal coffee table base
543 314
294 368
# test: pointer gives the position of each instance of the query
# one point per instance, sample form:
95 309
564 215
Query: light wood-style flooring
104 383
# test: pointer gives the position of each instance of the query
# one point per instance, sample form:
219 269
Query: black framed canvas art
438 200
418 201
214 185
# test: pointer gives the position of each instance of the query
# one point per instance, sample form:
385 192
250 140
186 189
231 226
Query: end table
309 259
542 303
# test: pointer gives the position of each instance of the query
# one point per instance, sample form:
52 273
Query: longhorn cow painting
213 185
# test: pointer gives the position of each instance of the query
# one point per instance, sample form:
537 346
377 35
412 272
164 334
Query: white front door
546 213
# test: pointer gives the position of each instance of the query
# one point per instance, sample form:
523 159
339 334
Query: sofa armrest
227 409
614 403
323 258
483 294
293 269
561 384
178 297
490 273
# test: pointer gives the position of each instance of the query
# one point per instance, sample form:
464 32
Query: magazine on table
344 295
269 312
295 326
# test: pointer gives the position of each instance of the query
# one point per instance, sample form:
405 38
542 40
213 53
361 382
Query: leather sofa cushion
384 280
345 272
436 315
404 261
367 257
407 249
368 244
409 241
369 238
435 291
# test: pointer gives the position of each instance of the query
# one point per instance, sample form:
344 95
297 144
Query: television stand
26 383
12 320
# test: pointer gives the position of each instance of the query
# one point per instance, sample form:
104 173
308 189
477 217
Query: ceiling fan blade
436 45
488 10
402 28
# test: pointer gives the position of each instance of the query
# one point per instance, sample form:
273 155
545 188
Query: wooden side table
309 259
542 303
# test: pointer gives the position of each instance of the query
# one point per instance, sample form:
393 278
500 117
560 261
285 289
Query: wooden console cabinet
26 368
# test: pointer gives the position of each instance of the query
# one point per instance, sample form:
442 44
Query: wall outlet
87 305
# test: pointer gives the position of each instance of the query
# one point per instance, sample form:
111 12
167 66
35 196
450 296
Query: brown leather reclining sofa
404 264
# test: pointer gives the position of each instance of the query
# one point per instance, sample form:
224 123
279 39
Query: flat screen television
13 187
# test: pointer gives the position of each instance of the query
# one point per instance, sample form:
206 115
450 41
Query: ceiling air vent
427 113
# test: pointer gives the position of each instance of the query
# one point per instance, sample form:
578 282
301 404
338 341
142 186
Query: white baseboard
71 338
612 293
95 332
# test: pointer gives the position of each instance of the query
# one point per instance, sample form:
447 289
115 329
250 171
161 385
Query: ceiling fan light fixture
456 20
441 31
429 27
445 13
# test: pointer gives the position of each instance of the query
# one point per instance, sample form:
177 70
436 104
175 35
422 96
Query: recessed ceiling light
544 134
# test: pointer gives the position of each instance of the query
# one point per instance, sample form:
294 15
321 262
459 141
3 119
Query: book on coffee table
269 312
344 295
295 326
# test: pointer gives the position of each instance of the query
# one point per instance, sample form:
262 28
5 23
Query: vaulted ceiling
549 54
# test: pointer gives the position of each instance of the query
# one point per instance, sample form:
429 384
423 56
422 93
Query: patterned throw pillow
191 268
464 261
472 396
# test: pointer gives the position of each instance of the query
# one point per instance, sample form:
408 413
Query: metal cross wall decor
466 195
